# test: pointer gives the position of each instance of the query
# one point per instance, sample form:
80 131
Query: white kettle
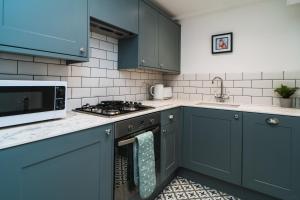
157 91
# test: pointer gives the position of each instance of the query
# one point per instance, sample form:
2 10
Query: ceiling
181 9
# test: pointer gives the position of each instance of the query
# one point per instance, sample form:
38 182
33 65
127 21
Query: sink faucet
222 96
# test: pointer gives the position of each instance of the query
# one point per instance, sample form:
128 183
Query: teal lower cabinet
76 166
271 155
212 143
170 147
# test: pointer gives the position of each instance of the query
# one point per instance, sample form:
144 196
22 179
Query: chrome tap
222 96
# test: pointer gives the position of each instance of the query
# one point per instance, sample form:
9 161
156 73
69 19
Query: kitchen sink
218 104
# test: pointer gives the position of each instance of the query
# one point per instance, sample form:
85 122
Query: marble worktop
19 135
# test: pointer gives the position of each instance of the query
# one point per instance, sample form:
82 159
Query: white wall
266 38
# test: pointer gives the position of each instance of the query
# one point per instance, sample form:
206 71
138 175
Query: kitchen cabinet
170 147
169 44
212 143
122 14
157 45
271 155
75 166
57 28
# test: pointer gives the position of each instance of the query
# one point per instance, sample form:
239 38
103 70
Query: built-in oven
125 133
31 101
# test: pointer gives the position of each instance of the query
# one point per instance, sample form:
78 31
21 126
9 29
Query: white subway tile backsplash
278 83
183 83
267 101
107 64
72 81
272 75
190 90
112 40
234 76
81 71
113 91
124 90
73 103
107 46
8 66
90 82
196 97
252 92
112 73
203 90
242 100
30 68
91 101
135 75
98 53
98 92
189 77
81 92
96 72
93 62
213 75
178 89
119 82
262 84
242 84
268 92
234 91
58 70
94 43
252 76
202 77
196 83
228 83
112 56
292 75
106 82
47 78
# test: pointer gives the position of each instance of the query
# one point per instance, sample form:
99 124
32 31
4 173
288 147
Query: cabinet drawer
170 116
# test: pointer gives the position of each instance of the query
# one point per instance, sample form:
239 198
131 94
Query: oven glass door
124 186
16 100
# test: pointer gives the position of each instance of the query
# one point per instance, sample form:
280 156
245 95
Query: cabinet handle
143 61
108 131
82 50
236 116
272 121
164 131
171 117
162 65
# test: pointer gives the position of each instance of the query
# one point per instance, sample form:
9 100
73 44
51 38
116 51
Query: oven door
124 187
17 100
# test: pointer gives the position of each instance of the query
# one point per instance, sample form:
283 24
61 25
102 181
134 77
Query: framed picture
222 43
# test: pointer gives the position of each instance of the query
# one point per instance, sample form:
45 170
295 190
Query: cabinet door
271 155
169 44
169 151
56 26
123 14
76 166
212 143
148 36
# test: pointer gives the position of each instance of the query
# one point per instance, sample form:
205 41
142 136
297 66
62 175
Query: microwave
24 102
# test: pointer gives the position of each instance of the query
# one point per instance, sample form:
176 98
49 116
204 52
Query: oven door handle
132 140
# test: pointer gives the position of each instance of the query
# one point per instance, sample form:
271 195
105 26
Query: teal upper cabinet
122 14
271 155
148 36
76 166
169 44
56 28
157 45
212 143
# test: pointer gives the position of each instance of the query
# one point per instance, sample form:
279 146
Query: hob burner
112 108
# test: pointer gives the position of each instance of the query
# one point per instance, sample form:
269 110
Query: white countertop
14 136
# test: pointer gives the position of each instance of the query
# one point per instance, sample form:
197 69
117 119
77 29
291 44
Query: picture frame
222 43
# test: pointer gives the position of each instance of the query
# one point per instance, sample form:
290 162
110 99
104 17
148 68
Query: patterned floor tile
183 189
